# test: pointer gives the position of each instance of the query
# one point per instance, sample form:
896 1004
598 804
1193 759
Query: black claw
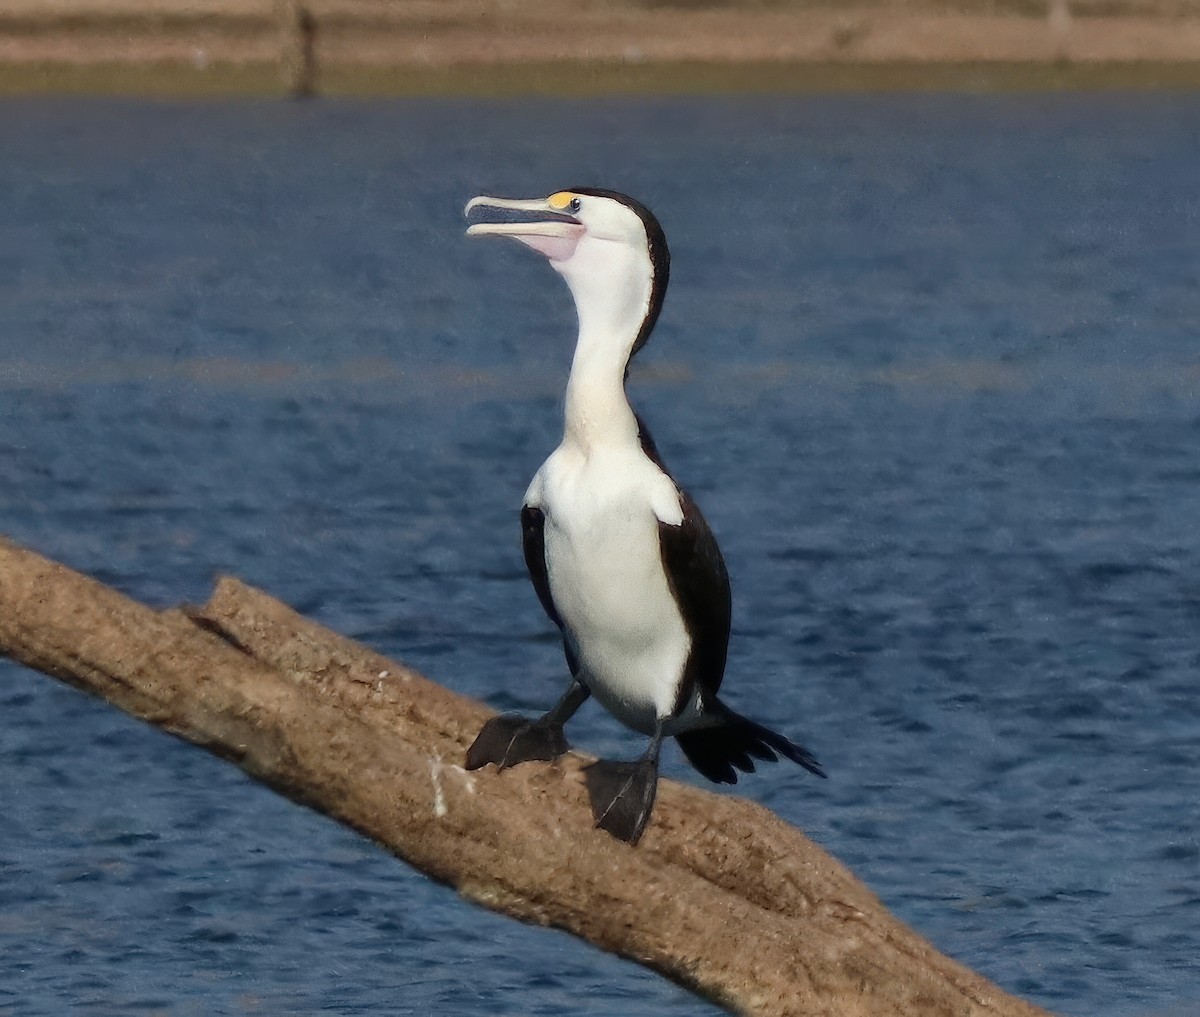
622 796
510 739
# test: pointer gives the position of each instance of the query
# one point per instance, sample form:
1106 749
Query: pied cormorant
620 556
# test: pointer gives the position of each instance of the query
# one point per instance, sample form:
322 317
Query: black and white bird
620 556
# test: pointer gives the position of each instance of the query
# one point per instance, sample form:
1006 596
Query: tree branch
721 895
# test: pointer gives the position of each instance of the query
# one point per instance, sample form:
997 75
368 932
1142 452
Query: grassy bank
173 79
582 47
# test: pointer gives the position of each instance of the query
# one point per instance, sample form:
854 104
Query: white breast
606 576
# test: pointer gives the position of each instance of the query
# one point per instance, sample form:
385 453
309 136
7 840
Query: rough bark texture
721 895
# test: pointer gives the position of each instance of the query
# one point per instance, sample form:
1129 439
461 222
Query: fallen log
721 895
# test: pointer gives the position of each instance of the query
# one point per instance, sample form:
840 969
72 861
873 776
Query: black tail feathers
719 752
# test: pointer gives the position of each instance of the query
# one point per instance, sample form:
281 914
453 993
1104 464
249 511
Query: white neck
611 299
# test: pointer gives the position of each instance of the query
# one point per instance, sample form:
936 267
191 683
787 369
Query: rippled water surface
929 364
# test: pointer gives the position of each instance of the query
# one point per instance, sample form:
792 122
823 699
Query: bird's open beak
547 229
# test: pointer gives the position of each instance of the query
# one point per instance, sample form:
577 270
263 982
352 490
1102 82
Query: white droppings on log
439 797
467 779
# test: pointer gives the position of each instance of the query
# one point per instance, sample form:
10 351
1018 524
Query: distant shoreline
576 47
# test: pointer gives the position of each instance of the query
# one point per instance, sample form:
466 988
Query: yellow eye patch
560 200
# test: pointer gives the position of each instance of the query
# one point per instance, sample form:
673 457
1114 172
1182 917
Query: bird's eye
575 205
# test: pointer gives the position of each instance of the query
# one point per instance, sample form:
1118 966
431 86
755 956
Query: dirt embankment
589 45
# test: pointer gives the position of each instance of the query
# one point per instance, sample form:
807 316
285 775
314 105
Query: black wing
697 576
699 582
533 541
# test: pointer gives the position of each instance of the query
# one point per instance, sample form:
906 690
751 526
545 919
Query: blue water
929 364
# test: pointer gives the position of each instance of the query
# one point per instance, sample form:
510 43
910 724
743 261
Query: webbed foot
622 796
510 739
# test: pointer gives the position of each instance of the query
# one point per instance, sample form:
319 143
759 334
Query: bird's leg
510 738
622 794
